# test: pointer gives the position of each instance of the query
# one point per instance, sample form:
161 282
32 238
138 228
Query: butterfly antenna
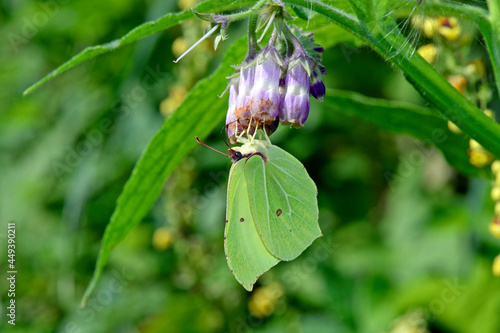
224 137
203 144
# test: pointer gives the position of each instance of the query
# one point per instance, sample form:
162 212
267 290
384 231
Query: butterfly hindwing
283 203
246 255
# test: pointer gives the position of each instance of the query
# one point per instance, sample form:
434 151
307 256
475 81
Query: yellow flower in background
495 167
479 159
458 82
263 301
454 128
495 225
449 28
163 238
475 69
496 266
497 209
175 97
430 27
186 4
478 156
495 193
489 114
429 52
179 46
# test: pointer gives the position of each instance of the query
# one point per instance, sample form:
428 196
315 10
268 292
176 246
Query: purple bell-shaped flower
231 122
254 100
265 94
294 107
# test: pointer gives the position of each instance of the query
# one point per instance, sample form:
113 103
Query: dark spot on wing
242 220
278 212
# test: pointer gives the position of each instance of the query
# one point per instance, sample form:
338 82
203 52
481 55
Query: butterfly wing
283 203
246 255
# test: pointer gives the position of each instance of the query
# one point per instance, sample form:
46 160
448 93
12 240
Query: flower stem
252 36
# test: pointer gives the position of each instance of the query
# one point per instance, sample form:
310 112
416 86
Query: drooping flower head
294 107
303 77
258 96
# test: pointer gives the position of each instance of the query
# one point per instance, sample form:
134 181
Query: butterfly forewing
283 203
246 255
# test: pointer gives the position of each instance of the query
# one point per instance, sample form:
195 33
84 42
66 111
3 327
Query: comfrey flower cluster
274 86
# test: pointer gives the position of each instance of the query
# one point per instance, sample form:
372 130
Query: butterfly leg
256 129
239 136
267 136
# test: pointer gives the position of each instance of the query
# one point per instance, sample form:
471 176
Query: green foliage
388 250
404 118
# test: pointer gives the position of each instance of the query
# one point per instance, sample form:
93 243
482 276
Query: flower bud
429 52
294 107
497 209
163 239
489 113
495 167
495 226
263 301
454 128
458 82
318 89
496 266
449 28
495 193
478 156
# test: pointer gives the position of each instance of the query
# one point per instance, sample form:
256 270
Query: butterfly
272 210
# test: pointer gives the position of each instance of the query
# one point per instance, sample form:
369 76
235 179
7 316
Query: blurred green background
413 257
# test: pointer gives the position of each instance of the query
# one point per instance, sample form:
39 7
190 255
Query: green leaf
198 115
404 118
139 32
301 12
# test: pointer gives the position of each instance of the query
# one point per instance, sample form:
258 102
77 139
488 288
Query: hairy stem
431 85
